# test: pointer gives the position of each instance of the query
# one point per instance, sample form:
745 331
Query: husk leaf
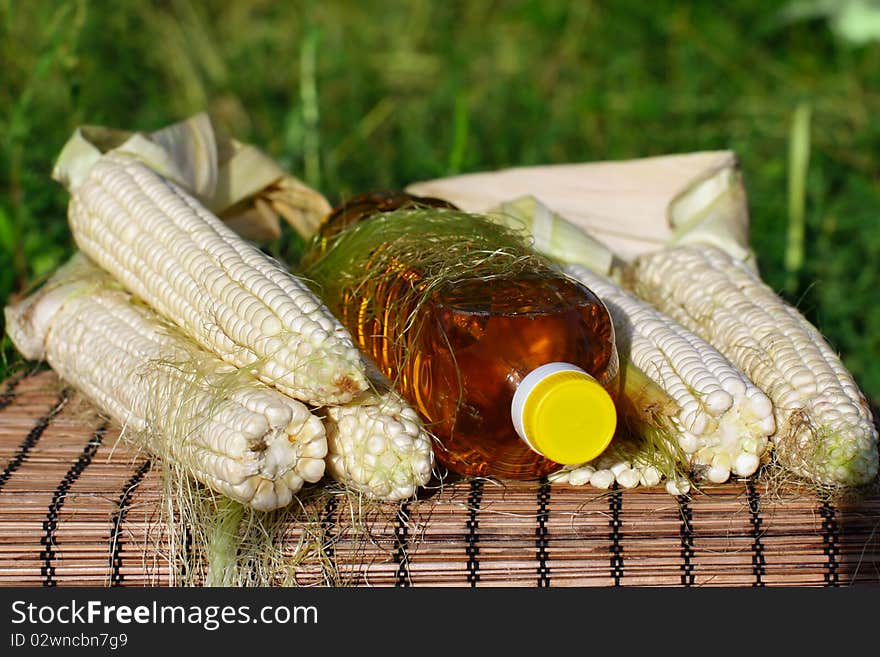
237 181
554 236
632 206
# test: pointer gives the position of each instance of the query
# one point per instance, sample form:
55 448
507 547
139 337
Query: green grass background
353 96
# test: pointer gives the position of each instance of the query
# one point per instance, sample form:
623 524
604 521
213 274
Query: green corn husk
553 235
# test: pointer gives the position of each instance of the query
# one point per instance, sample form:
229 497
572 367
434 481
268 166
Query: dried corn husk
237 181
631 206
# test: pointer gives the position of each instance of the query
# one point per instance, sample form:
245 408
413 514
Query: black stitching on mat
615 506
830 543
541 540
687 540
31 440
759 563
122 508
186 564
50 524
328 540
8 394
401 545
472 538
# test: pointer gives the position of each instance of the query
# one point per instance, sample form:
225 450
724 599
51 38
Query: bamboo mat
79 508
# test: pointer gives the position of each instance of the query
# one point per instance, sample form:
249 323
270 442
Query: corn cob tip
28 320
379 447
838 455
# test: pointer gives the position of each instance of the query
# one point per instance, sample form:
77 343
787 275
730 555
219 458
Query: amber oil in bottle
458 345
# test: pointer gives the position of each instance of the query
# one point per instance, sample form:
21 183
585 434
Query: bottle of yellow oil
508 361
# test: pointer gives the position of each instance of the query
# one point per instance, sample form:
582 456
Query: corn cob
379 447
725 421
823 423
229 431
233 300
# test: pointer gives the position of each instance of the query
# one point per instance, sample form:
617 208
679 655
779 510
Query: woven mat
77 507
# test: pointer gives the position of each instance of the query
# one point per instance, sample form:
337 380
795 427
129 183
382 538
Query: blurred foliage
360 95
856 21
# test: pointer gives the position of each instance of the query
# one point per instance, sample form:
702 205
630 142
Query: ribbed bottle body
457 349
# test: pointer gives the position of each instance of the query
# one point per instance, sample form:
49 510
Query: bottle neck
361 208
364 206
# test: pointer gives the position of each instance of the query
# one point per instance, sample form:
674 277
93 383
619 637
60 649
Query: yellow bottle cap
563 413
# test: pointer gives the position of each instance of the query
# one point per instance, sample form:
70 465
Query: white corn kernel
602 479
628 478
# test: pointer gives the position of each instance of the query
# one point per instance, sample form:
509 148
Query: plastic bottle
511 374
